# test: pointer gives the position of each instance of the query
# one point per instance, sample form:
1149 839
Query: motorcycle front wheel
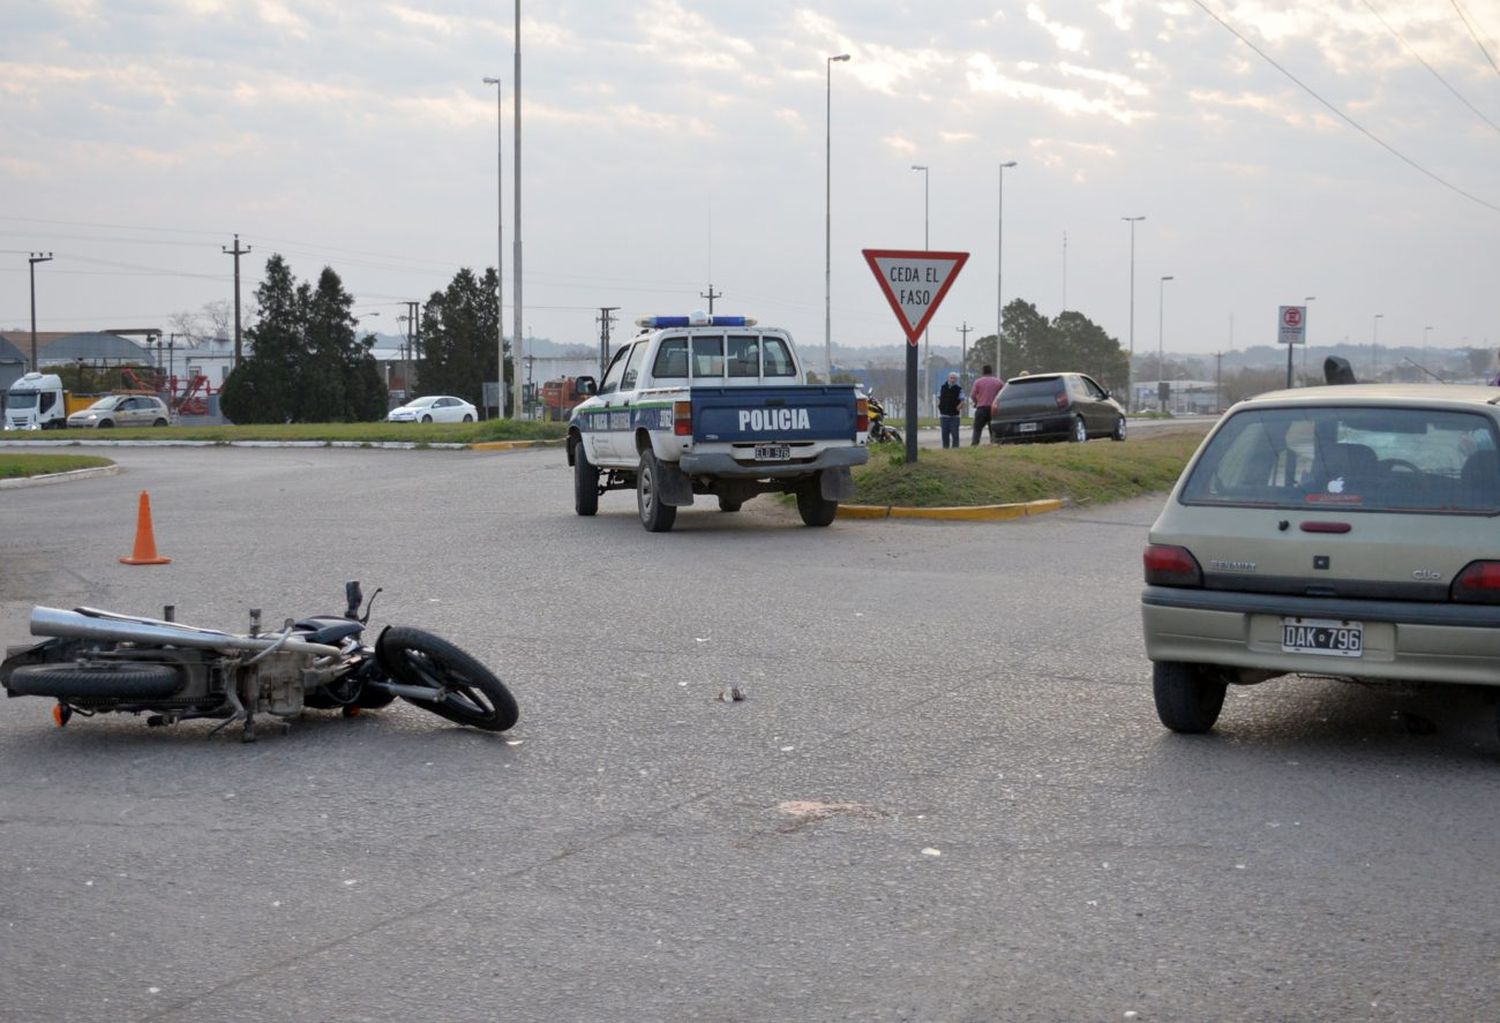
473 695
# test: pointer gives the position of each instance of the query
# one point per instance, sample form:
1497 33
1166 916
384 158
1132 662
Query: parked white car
441 408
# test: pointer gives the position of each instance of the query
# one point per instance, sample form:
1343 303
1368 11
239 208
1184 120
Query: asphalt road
946 798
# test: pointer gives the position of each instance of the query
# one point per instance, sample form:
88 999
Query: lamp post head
1132 219
492 81
1168 278
1010 163
1380 316
842 56
918 166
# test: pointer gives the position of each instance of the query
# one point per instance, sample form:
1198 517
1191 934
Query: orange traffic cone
145 539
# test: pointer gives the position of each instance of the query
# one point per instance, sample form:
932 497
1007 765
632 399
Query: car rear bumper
1403 640
722 464
1048 427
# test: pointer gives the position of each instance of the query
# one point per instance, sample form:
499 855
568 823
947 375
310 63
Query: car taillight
682 418
861 415
1167 565
1478 583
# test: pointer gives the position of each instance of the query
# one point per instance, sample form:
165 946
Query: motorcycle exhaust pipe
52 621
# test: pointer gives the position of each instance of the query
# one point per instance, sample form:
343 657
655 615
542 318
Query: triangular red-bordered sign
914 282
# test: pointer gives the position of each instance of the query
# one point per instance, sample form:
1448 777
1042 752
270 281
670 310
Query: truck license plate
1327 636
772 452
1028 427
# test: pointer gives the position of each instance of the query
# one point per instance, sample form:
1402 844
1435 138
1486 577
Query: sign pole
911 404
1289 350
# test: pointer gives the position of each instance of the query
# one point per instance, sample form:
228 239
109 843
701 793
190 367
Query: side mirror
355 597
585 387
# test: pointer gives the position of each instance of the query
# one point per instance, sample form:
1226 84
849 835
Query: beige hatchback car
1349 531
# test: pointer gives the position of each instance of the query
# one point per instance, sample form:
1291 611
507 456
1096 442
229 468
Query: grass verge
419 433
1093 473
13 466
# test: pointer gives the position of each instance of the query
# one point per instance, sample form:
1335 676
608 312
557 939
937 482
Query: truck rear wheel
655 516
585 483
813 507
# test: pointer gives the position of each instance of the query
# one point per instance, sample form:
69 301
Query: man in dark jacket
950 405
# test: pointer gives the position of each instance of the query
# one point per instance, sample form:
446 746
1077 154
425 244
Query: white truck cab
36 402
714 405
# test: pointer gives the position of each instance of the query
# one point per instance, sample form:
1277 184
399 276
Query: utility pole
414 330
499 248
1065 273
1218 378
236 252
604 319
963 359
518 343
35 258
710 294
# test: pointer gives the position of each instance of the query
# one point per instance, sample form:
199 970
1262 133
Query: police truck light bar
695 320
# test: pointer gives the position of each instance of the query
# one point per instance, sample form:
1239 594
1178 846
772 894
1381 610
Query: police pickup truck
713 405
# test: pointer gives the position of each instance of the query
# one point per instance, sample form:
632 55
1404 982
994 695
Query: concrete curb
978 513
385 445
59 477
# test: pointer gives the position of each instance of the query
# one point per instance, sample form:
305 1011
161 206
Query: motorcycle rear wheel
475 697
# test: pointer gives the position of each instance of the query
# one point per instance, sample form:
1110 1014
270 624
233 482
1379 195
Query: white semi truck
36 401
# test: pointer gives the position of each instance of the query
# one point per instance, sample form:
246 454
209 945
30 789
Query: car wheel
655 516
814 509
426 419
160 422
585 483
1187 700
1119 433
105 424
468 418
1080 430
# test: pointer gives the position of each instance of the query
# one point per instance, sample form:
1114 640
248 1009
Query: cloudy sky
670 143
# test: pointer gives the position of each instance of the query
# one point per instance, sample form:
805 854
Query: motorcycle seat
331 631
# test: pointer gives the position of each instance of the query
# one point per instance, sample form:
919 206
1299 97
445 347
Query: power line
1343 116
1475 36
1446 84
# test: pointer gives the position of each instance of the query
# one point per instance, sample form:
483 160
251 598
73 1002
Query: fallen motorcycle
879 432
95 661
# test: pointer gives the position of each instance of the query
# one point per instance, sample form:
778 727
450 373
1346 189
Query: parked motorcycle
96 661
879 432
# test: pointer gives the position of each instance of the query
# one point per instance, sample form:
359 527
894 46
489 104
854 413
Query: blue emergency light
694 320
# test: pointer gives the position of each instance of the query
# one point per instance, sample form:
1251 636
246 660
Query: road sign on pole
914 282
1292 321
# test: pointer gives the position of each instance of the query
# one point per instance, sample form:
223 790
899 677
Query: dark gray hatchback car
1055 406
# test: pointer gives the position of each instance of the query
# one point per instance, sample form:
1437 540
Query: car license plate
1028 427
772 452
1331 637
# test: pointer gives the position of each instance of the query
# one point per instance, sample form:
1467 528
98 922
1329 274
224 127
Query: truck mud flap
837 484
673 486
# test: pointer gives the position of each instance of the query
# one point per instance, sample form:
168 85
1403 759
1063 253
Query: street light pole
1306 332
1130 366
1161 317
499 251
34 258
1375 347
518 341
1000 264
1425 332
926 245
828 216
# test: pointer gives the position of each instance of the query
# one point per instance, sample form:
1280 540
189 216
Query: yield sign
914 282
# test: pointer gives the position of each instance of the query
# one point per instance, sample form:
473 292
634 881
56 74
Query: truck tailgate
790 413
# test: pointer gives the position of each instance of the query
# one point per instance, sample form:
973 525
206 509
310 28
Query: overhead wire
1446 84
1475 36
1343 116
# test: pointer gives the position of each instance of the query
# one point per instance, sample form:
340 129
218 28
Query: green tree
1070 342
459 328
305 362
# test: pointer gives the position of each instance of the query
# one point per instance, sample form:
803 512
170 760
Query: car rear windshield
1020 390
1359 459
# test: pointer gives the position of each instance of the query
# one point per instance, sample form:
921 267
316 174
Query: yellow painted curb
864 511
977 513
510 445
